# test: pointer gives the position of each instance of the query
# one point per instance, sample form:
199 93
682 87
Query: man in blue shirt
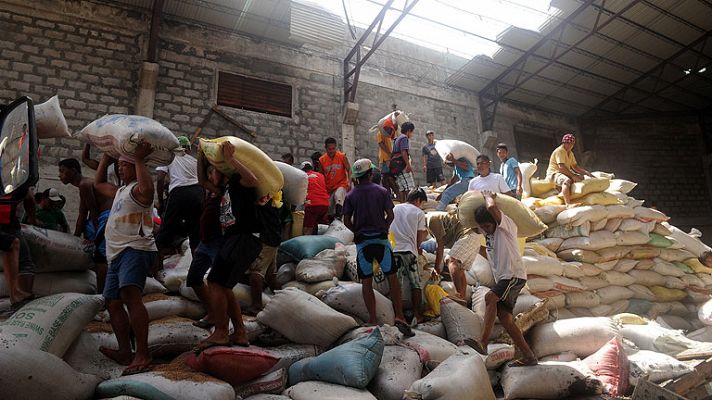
509 169
462 174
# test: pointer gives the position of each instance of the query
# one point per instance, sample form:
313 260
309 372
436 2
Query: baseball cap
53 194
305 163
361 167
184 142
568 138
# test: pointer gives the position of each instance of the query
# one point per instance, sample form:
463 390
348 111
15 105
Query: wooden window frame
247 93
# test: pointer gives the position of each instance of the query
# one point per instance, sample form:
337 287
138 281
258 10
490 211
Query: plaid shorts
465 250
408 269
405 181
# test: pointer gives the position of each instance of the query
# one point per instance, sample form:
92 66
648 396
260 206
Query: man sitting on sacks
510 277
94 209
563 169
131 251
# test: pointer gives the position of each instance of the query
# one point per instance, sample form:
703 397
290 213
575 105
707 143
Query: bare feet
137 366
121 358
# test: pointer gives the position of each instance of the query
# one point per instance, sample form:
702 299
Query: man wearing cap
316 205
509 169
48 215
368 212
384 138
181 211
432 163
563 169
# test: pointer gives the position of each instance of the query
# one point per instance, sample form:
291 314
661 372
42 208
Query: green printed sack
52 323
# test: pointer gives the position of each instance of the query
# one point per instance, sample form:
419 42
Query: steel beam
490 93
351 84
157 10
621 93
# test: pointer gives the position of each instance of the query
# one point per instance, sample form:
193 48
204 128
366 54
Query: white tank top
130 224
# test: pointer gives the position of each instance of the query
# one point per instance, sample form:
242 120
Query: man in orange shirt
385 139
335 167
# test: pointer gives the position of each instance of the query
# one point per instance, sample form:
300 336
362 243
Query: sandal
137 369
404 329
476 345
206 344
203 323
522 363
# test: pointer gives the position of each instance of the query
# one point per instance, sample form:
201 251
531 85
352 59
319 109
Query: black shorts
6 240
434 175
508 290
181 216
236 254
25 264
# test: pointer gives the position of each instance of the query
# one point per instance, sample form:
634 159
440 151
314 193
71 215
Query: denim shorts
129 268
202 261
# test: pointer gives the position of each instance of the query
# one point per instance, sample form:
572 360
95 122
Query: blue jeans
452 192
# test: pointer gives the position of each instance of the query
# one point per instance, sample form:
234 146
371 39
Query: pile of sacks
62 263
610 254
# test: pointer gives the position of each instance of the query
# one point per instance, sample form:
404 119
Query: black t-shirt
251 217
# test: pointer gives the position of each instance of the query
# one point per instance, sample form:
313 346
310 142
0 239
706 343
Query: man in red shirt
316 206
337 174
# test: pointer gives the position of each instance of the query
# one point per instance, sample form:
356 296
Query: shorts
96 234
265 260
336 199
25 266
236 254
508 290
182 216
315 215
405 181
434 175
560 179
385 169
128 268
465 250
373 250
407 265
203 259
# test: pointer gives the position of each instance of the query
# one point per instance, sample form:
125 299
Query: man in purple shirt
368 212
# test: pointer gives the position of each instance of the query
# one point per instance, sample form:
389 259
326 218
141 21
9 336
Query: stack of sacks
62 262
312 262
615 255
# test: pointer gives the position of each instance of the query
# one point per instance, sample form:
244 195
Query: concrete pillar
348 131
148 78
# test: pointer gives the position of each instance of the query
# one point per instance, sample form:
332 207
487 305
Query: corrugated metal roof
635 63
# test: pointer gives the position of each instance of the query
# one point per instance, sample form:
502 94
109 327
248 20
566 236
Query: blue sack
351 364
306 246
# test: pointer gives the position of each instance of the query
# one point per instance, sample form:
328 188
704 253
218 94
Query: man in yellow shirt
563 169
385 148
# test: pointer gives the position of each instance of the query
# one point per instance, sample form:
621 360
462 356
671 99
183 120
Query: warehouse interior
632 78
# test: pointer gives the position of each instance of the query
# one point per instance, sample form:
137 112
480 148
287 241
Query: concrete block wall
665 158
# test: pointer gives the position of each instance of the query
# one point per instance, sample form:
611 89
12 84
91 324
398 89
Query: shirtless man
94 208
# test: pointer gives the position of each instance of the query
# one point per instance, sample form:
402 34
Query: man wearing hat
182 209
368 212
48 213
563 169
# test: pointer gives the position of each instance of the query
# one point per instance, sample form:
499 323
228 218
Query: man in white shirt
509 275
487 180
409 231
181 213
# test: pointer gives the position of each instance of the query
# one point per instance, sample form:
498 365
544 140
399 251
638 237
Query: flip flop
404 329
16 306
203 323
522 363
476 345
206 344
137 369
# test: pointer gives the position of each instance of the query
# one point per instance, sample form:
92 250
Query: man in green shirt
48 213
